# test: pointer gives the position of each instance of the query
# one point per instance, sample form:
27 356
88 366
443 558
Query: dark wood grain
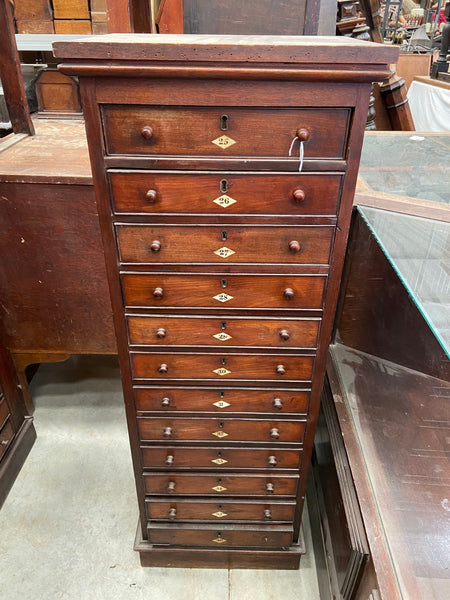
236 459
253 193
152 330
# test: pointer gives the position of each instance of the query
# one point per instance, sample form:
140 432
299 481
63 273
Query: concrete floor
67 527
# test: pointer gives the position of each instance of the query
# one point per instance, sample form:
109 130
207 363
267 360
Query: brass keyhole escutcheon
223 361
222 394
224 236
223 186
224 122
223 283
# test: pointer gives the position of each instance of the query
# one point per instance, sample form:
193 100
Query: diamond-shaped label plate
221 371
219 540
221 404
223 297
224 252
224 201
223 141
219 488
222 336
219 514
220 434
219 461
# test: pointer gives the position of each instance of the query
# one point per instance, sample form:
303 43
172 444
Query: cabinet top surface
227 48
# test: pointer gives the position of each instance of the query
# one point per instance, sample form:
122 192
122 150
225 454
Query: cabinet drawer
173 457
4 411
275 536
6 436
224 193
217 366
220 511
159 330
225 430
220 484
204 244
180 131
155 290
223 400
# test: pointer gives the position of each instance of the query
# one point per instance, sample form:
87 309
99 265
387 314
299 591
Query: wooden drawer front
158 330
4 411
144 244
149 399
220 511
6 436
172 457
197 131
203 193
240 291
225 430
275 536
216 366
220 484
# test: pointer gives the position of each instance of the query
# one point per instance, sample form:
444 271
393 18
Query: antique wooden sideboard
224 256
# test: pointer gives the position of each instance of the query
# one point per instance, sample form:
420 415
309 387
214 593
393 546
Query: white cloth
430 106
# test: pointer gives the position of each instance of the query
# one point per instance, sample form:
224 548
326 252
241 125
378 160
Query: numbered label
224 252
219 514
222 371
220 434
221 404
223 141
224 201
219 461
223 297
222 336
219 488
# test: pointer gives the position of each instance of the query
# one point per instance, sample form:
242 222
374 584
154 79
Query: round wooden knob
294 246
151 195
285 335
163 368
269 488
147 132
167 433
288 293
158 292
272 461
156 246
277 403
171 486
161 333
303 134
169 460
299 196
165 402
280 370
274 434
172 513
267 514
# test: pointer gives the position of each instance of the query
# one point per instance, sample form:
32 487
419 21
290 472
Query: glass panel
419 251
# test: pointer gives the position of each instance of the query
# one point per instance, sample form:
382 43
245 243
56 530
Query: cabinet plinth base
207 558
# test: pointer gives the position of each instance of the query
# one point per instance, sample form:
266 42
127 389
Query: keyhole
224 186
223 283
224 236
219 454
224 122
222 394
224 361
223 325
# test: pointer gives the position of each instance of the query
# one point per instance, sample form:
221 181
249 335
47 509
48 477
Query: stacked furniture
224 257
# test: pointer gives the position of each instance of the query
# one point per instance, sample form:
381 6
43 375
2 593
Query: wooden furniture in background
57 95
169 18
17 432
229 261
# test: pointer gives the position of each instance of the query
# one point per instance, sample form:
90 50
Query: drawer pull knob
268 514
163 369
272 461
172 513
288 293
147 132
165 402
294 246
158 292
151 195
161 333
299 196
169 459
167 433
274 434
171 486
277 403
156 246
269 488
285 335
303 134
280 370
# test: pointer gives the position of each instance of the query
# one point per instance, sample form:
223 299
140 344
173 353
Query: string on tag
301 151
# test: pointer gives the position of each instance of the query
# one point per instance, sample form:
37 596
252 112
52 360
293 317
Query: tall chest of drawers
224 170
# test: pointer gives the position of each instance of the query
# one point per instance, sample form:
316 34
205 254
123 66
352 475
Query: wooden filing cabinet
224 258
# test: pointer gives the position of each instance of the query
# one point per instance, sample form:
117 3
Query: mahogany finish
181 171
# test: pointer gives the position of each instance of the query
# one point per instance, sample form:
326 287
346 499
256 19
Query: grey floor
67 527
